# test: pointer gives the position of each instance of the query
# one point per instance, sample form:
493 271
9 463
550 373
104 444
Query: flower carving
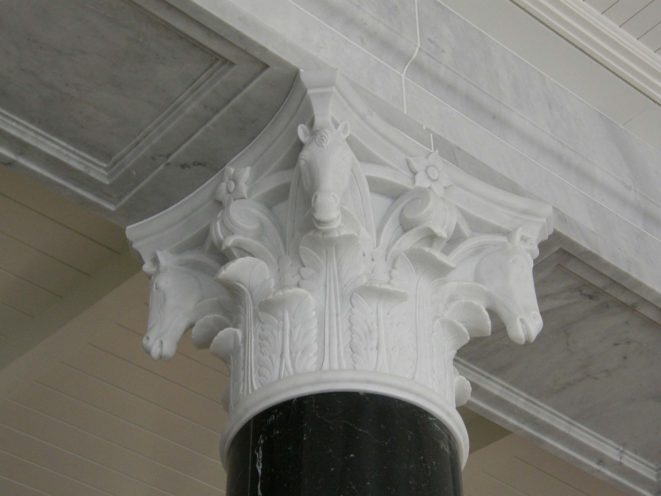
428 173
234 184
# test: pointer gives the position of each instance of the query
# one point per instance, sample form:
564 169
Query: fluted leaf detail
288 335
363 334
269 349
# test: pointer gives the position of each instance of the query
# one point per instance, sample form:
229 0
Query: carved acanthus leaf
471 315
246 228
247 277
228 346
291 315
447 337
207 328
347 263
269 360
462 389
377 323
363 334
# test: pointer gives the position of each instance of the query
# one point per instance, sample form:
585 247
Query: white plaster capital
336 255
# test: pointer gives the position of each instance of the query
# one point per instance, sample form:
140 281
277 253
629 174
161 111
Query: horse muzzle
526 328
159 347
326 211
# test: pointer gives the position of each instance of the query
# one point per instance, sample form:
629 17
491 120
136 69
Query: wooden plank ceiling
103 418
639 18
48 246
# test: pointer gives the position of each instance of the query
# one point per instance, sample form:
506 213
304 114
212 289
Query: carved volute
314 264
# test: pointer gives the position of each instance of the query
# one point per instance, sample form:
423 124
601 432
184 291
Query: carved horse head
325 165
183 291
503 266
507 272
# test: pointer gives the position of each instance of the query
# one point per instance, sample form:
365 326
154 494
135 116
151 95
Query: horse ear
516 236
149 267
344 129
162 258
304 133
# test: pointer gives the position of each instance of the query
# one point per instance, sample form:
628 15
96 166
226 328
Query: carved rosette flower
234 185
429 173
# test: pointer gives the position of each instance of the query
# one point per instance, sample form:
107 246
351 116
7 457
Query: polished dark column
344 444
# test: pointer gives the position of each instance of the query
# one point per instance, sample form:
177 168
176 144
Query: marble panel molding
150 108
337 254
585 26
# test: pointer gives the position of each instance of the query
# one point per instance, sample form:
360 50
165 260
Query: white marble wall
428 62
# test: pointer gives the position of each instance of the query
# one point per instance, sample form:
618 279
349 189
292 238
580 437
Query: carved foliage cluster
327 285
318 280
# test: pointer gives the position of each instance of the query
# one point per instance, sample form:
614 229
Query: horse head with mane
503 266
183 291
325 164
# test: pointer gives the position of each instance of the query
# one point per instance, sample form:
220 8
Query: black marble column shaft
344 444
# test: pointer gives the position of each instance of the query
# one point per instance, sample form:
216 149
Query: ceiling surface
127 107
639 18
49 246
111 102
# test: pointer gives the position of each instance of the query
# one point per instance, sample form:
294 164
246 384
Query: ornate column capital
336 254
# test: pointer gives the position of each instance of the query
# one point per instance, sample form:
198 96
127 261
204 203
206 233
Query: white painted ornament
326 272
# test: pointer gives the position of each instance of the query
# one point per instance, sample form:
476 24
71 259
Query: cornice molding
335 254
523 414
604 41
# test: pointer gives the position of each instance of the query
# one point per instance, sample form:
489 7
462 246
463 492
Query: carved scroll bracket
313 264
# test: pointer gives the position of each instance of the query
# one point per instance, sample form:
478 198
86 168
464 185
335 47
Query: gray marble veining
202 157
536 143
121 107
504 76
387 28
306 40
92 74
